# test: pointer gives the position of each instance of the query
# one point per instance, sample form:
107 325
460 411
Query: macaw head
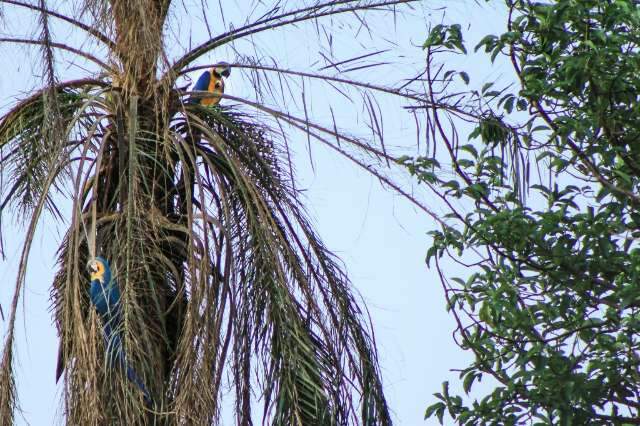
221 69
99 270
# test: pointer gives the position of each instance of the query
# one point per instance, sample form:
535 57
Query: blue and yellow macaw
105 296
212 81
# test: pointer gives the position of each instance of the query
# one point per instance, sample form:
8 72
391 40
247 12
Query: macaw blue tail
133 377
114 348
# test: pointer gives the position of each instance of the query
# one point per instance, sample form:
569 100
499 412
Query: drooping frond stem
317 134
422 99
8 400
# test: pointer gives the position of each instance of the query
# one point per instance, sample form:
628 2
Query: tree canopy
543 214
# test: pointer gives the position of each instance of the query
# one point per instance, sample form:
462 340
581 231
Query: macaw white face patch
96 269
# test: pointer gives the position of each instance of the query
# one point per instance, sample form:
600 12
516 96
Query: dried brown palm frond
224 283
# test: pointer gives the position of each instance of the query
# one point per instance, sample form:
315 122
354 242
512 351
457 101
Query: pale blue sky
379 235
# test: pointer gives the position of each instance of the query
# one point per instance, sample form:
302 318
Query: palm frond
30 156
273 271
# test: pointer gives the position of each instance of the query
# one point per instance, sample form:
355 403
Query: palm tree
224 283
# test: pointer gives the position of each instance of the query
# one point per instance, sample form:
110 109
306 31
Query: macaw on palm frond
212 81
104 294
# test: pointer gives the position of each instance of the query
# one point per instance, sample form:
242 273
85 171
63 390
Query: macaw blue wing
203 81
202 85
106 299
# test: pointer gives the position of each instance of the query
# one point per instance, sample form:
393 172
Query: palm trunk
137 181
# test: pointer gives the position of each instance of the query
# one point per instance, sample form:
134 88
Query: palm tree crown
224 284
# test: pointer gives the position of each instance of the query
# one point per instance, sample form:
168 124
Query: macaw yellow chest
216 87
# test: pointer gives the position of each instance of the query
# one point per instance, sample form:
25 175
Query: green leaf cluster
550 305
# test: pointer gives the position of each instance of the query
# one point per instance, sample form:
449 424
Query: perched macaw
213 81
105 296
